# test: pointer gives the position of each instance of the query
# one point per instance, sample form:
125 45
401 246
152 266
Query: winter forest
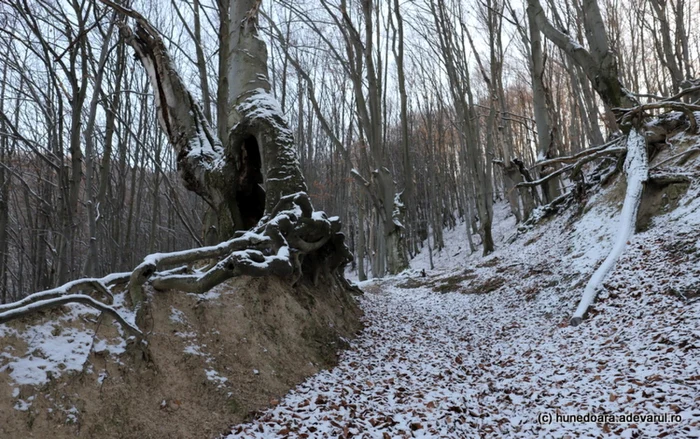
349 218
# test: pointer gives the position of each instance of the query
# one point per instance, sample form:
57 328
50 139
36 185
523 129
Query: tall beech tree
251 180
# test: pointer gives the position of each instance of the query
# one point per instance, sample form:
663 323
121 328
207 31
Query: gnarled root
292 242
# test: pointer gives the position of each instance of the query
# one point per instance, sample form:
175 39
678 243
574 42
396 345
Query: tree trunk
250 180
361 240
545 141
599 63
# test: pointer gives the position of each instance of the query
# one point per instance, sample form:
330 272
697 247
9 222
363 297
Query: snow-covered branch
581 159
198 150
54 302
637 171
73 287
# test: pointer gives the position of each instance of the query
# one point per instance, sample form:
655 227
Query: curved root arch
289 242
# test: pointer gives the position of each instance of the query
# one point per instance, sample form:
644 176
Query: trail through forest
487 351
205 172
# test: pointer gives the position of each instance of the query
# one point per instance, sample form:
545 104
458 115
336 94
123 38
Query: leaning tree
245 168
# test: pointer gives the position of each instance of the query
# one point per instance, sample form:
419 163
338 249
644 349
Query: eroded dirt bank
214 359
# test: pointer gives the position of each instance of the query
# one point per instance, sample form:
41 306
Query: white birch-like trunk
637 171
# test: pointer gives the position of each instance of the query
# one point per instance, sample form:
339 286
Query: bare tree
252 181
599 62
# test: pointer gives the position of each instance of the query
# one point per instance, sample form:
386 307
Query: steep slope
213 358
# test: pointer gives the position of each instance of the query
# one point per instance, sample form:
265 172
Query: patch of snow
113 349
214 376
177 316
48 354
22 405
72 415
209 295
319 215
55 348
194 350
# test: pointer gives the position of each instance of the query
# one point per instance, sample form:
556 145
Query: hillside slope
482 347
212 359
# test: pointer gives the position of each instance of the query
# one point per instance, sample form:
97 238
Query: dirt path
481 365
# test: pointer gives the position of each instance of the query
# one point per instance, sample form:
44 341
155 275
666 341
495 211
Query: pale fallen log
637 171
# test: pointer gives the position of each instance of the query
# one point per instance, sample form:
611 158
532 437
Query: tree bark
252 180
600 63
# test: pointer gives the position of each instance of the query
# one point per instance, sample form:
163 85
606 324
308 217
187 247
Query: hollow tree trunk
255 115
242 176
251 179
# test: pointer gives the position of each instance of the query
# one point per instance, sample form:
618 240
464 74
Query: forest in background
407 116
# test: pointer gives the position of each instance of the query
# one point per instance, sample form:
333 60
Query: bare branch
575 157
63 300
70 288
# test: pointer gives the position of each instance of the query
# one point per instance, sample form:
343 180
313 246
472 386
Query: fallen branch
582 158
637 171
664 179
604 153
676 156
688 109
575 157
546 211
684 92
546 178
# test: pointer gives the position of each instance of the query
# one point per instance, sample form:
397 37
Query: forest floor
481 347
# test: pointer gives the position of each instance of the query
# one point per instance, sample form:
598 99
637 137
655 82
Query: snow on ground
57 345
441 357
456 252
481 346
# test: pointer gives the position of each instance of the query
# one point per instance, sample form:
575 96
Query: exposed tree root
99 286
294 240
40 305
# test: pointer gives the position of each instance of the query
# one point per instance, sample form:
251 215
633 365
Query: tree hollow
250 195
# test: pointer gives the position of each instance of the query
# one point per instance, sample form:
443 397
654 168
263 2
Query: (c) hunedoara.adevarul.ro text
658 418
